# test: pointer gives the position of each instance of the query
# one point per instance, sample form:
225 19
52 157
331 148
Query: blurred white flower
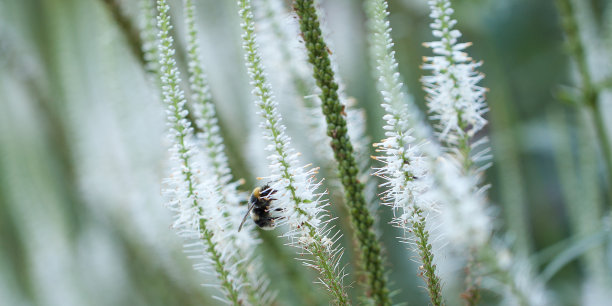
465 215
517 282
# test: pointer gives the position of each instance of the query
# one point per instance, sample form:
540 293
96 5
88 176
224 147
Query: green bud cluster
428 269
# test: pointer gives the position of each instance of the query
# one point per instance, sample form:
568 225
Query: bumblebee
259 208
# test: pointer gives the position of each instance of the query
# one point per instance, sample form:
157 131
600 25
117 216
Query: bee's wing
246 215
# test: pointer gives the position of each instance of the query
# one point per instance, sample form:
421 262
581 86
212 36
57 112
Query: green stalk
471 295
579 182
434 285
590 91
343 151
130 31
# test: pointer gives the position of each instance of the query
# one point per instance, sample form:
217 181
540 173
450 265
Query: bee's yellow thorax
256 192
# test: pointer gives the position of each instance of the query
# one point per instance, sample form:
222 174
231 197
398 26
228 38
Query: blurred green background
82 149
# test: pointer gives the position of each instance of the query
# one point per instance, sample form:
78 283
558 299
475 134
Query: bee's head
256 192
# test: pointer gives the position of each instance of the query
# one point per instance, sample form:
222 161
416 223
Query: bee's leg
279 209
279 217
276 209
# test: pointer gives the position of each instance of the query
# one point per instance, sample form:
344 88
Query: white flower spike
455 100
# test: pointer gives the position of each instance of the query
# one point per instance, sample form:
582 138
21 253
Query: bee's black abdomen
260 213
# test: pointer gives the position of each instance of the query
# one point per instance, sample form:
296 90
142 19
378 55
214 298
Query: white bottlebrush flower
418 184
301 206
457 105
406 168
409 184
454 98
406 151
192 194
418 175
405 156
214 158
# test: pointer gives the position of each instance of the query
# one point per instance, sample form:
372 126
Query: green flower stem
434 286
169 77
326 265
578 180
590 91
343 151
508 160
471 296
595 262
129 30
218 263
